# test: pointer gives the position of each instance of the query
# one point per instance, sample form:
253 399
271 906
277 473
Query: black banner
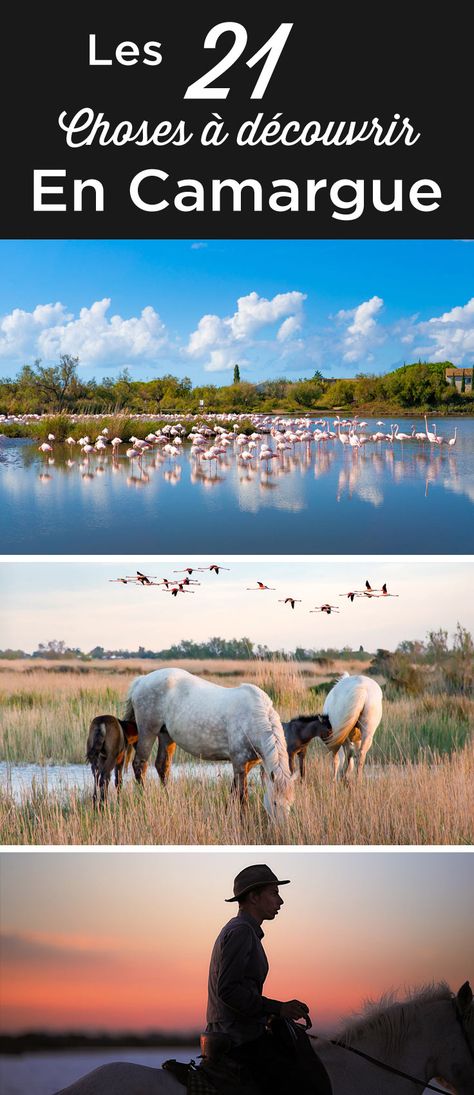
334 124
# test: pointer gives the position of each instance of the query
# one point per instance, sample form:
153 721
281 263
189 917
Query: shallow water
401 498
45 1073
20 779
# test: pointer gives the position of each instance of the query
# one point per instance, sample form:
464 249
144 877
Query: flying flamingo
385 592
124 581
215 568
177 589
289 600
189 570
326 608
142 579
260 585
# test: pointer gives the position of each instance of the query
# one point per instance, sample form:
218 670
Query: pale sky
75 601
122 939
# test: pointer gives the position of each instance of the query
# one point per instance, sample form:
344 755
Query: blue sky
277 307
74 601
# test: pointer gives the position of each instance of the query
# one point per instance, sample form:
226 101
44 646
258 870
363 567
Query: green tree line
39 389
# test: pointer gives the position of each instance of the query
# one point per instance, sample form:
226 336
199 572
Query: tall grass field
416 787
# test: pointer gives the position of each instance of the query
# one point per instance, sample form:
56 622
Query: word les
127 53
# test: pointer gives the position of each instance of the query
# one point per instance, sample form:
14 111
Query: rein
381 1064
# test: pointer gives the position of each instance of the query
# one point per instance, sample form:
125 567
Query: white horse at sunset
428 1037
216 723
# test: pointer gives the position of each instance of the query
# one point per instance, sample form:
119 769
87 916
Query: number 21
202 88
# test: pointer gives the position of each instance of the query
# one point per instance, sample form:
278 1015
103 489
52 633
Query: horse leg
302 761
364 749
239 785
129 752
140 761
95 773
104 787
165 754
338 759
118 773
349 758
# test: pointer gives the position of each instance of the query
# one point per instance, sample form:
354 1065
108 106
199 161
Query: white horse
354 709
429 1037
216 723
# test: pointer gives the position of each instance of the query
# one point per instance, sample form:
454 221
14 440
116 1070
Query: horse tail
343 706
96 738
129 713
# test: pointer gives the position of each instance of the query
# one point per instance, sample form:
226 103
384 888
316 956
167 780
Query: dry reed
416 787
423 803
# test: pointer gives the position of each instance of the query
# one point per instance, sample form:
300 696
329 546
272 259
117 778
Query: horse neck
406 1036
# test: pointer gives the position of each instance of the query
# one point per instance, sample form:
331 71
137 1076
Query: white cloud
220 360
220 338
210 330
20 330
450 336
362 334
254 312
94 336
288 328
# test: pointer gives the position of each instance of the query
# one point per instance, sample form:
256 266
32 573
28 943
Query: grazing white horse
354 709
430 1035
216 723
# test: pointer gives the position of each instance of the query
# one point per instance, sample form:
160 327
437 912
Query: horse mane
308 718
388 1016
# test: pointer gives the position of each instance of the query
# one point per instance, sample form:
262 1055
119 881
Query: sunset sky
75 601
121 940
195 307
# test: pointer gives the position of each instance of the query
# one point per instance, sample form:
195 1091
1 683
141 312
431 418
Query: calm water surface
401 498
45 1073
20 779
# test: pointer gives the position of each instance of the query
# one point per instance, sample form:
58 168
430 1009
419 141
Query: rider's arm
235 985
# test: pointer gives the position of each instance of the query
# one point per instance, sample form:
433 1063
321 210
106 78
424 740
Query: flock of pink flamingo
170 585
175 586
271 438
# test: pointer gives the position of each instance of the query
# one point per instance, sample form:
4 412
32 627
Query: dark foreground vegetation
36 1041
58 389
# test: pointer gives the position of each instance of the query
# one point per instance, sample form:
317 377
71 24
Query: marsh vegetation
416 788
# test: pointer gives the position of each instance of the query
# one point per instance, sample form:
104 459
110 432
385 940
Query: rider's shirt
237 973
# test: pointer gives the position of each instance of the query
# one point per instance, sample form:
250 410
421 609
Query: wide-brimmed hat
253 877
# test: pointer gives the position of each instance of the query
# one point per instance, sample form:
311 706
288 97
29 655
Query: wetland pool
401 498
